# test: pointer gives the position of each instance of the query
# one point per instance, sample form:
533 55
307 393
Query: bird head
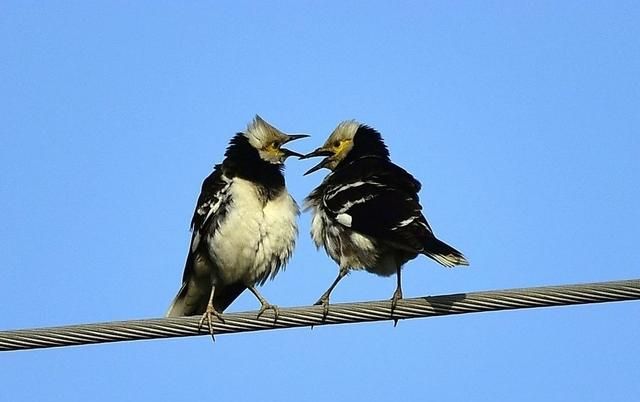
348 141
268 141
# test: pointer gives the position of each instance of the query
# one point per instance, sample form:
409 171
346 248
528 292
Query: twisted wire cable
343 313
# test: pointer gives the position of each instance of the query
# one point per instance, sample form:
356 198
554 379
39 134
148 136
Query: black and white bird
366 212
244 226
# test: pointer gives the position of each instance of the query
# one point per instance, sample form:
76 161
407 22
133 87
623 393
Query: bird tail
444 254
178 305
194 301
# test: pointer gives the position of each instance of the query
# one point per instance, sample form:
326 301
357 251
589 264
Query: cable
461 303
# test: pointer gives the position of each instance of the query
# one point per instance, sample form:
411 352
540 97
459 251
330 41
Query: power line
343 313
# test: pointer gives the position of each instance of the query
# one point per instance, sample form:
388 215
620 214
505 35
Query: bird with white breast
244 227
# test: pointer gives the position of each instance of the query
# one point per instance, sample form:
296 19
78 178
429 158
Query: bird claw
266 306
208 316
397 296
324 302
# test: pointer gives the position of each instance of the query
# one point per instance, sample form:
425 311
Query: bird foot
397 296
208 316
324 302
266 306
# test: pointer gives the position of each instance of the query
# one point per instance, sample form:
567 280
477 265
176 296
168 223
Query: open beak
292 137
288 153
316 153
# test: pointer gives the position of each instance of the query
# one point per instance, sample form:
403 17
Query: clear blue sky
522 120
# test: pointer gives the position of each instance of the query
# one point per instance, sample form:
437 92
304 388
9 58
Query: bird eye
336 144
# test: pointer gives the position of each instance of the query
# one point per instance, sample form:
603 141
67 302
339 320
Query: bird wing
384 213
211 209
379 170
211 206
379 199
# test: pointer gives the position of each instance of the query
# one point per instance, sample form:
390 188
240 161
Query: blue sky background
521 119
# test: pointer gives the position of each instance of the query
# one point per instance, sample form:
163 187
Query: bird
244 227
366 213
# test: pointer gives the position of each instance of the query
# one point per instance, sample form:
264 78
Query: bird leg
209 313
264 304
324 299
397 295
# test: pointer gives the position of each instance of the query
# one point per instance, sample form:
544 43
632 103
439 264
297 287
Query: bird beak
316 153
292 137
288 153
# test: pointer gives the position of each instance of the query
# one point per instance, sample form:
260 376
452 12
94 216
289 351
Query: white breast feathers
256 239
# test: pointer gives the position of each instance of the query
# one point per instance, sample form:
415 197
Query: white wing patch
344 187
338 189
195 242
347 205
344 219
404 223
210 208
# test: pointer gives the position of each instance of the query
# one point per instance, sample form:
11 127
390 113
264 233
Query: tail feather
176 309
444 254
186 302
193 301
